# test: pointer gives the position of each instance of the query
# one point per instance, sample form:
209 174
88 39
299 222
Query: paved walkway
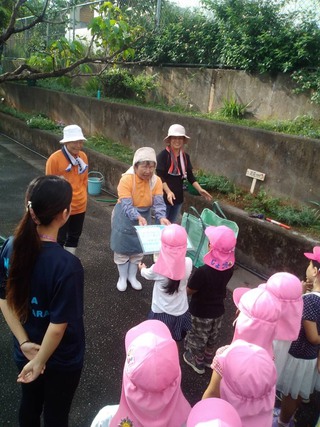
108 313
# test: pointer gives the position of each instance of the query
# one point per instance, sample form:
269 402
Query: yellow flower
126 423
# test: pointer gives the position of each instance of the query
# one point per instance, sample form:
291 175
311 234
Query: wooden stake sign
254 175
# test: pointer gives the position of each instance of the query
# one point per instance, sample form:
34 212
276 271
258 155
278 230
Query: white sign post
254 175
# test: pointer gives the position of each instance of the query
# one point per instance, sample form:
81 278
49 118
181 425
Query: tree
261 36
184 36
112 40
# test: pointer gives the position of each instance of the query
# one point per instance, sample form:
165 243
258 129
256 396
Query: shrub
116 83
120 83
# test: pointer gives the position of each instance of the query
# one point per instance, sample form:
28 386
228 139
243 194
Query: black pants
70 233
52 392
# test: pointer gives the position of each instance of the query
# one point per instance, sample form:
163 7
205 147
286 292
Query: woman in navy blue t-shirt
41 297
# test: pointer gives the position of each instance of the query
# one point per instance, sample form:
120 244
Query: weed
281 210
41 122
233 108
214 182
13 112
110 148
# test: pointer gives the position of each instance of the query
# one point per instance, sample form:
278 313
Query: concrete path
108 313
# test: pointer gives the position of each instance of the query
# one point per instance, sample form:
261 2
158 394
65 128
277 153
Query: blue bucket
95 180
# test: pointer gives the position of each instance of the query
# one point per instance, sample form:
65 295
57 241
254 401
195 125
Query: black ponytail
46 197
172 286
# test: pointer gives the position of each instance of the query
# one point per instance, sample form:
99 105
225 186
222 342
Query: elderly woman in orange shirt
72 163
139 191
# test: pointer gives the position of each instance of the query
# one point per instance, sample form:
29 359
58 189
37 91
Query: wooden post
254 175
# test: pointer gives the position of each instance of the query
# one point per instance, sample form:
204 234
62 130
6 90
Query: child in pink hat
151 393
259 312
213 412
207 287
300 374
170 274
287 289
249 382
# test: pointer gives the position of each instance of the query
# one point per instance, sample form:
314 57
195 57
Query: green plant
141 85
308 80
117 82
13 112
215 182
110 148
42 122
92 86
281 210
233 108
120 83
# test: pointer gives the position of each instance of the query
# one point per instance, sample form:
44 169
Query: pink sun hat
171 261
222 247
151 387
314 255
213 412
258 317
249 382
287 288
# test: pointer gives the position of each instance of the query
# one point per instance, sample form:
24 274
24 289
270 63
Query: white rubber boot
132 272
123 275
70 249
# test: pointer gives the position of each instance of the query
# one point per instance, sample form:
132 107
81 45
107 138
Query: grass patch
110 148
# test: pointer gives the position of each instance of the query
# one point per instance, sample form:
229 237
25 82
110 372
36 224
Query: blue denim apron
124 238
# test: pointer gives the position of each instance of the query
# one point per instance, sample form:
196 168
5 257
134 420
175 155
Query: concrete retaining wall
263 247
206 89
290 163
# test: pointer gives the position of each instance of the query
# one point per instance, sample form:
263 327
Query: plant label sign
254 175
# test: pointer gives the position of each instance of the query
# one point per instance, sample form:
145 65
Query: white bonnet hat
144 154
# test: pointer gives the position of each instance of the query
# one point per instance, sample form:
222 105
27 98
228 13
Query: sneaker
191 361
207 361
